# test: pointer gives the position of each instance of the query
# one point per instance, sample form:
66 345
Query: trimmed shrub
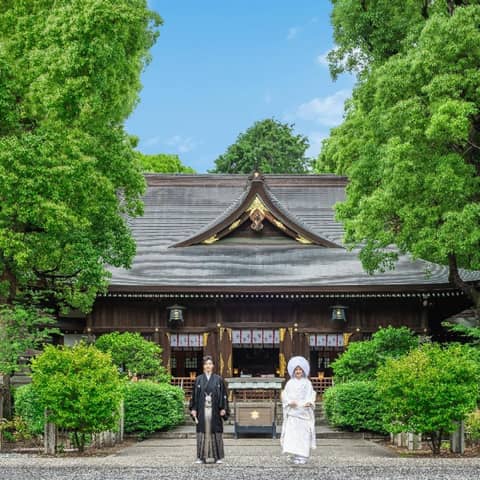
429 390
81 388
28 406
355 406
152 406
361 359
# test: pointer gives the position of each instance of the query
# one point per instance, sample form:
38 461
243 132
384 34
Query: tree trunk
436 441
456 280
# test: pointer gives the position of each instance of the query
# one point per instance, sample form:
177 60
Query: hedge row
149 407
152 406
354 406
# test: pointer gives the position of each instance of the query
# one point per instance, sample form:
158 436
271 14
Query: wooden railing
321 384
186 384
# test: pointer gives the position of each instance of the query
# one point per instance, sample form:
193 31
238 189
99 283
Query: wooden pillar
210 347
164 341
89 328
300 344
49 436
286 349
225 352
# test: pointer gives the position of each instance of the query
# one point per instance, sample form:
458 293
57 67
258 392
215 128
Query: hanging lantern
175 314
339 313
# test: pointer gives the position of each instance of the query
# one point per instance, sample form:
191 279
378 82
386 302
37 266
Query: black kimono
210 423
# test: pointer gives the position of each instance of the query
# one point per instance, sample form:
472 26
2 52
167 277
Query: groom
209 408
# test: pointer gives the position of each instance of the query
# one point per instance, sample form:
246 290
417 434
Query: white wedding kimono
298 429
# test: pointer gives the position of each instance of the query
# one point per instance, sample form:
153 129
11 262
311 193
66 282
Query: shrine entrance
255 352
255 361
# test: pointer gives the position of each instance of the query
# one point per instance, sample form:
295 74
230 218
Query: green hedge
28 406
355 406
152 406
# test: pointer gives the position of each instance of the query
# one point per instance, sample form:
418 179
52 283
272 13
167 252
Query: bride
298 400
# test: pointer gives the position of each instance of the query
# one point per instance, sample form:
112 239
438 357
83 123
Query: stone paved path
249 458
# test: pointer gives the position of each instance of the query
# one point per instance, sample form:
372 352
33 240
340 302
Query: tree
80 387
22 328
362 359
429 390
163 163
367 32
410 143
132 353
69 77
268 145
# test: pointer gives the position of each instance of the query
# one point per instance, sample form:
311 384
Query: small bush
472 427
355 406
28 406
152 406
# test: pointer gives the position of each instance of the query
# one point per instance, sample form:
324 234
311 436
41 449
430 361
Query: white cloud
292 32
152 141
182 144
326 111
315 139
322 59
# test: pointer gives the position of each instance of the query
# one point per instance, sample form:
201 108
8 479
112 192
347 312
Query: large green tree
268 145
410 142
162 163
69 77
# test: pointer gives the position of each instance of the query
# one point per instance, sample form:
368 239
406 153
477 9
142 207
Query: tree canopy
69 77
410 142
132 353
162 163
268 145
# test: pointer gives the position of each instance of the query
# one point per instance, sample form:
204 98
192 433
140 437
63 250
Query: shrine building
251 270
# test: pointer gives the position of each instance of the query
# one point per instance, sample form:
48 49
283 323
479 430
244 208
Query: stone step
322 432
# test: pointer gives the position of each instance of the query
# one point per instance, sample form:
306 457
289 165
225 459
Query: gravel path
257 459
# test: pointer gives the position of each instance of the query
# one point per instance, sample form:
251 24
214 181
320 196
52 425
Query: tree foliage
429 390
22 328
80 387
69 77
410 142
362 359
29 407
268 145
163 163
132 353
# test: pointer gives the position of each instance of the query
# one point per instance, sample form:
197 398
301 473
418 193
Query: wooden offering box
253 415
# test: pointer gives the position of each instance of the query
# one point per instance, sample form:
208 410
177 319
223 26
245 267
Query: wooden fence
186 384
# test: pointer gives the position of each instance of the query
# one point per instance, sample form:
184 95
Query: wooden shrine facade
257 264
255 334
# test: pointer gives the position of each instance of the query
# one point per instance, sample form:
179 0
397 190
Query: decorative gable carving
258 207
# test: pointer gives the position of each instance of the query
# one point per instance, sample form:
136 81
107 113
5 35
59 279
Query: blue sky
220 65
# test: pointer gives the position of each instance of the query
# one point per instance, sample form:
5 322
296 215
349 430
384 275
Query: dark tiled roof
179 206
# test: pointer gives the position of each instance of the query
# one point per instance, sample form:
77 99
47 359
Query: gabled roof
185 207
257 203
